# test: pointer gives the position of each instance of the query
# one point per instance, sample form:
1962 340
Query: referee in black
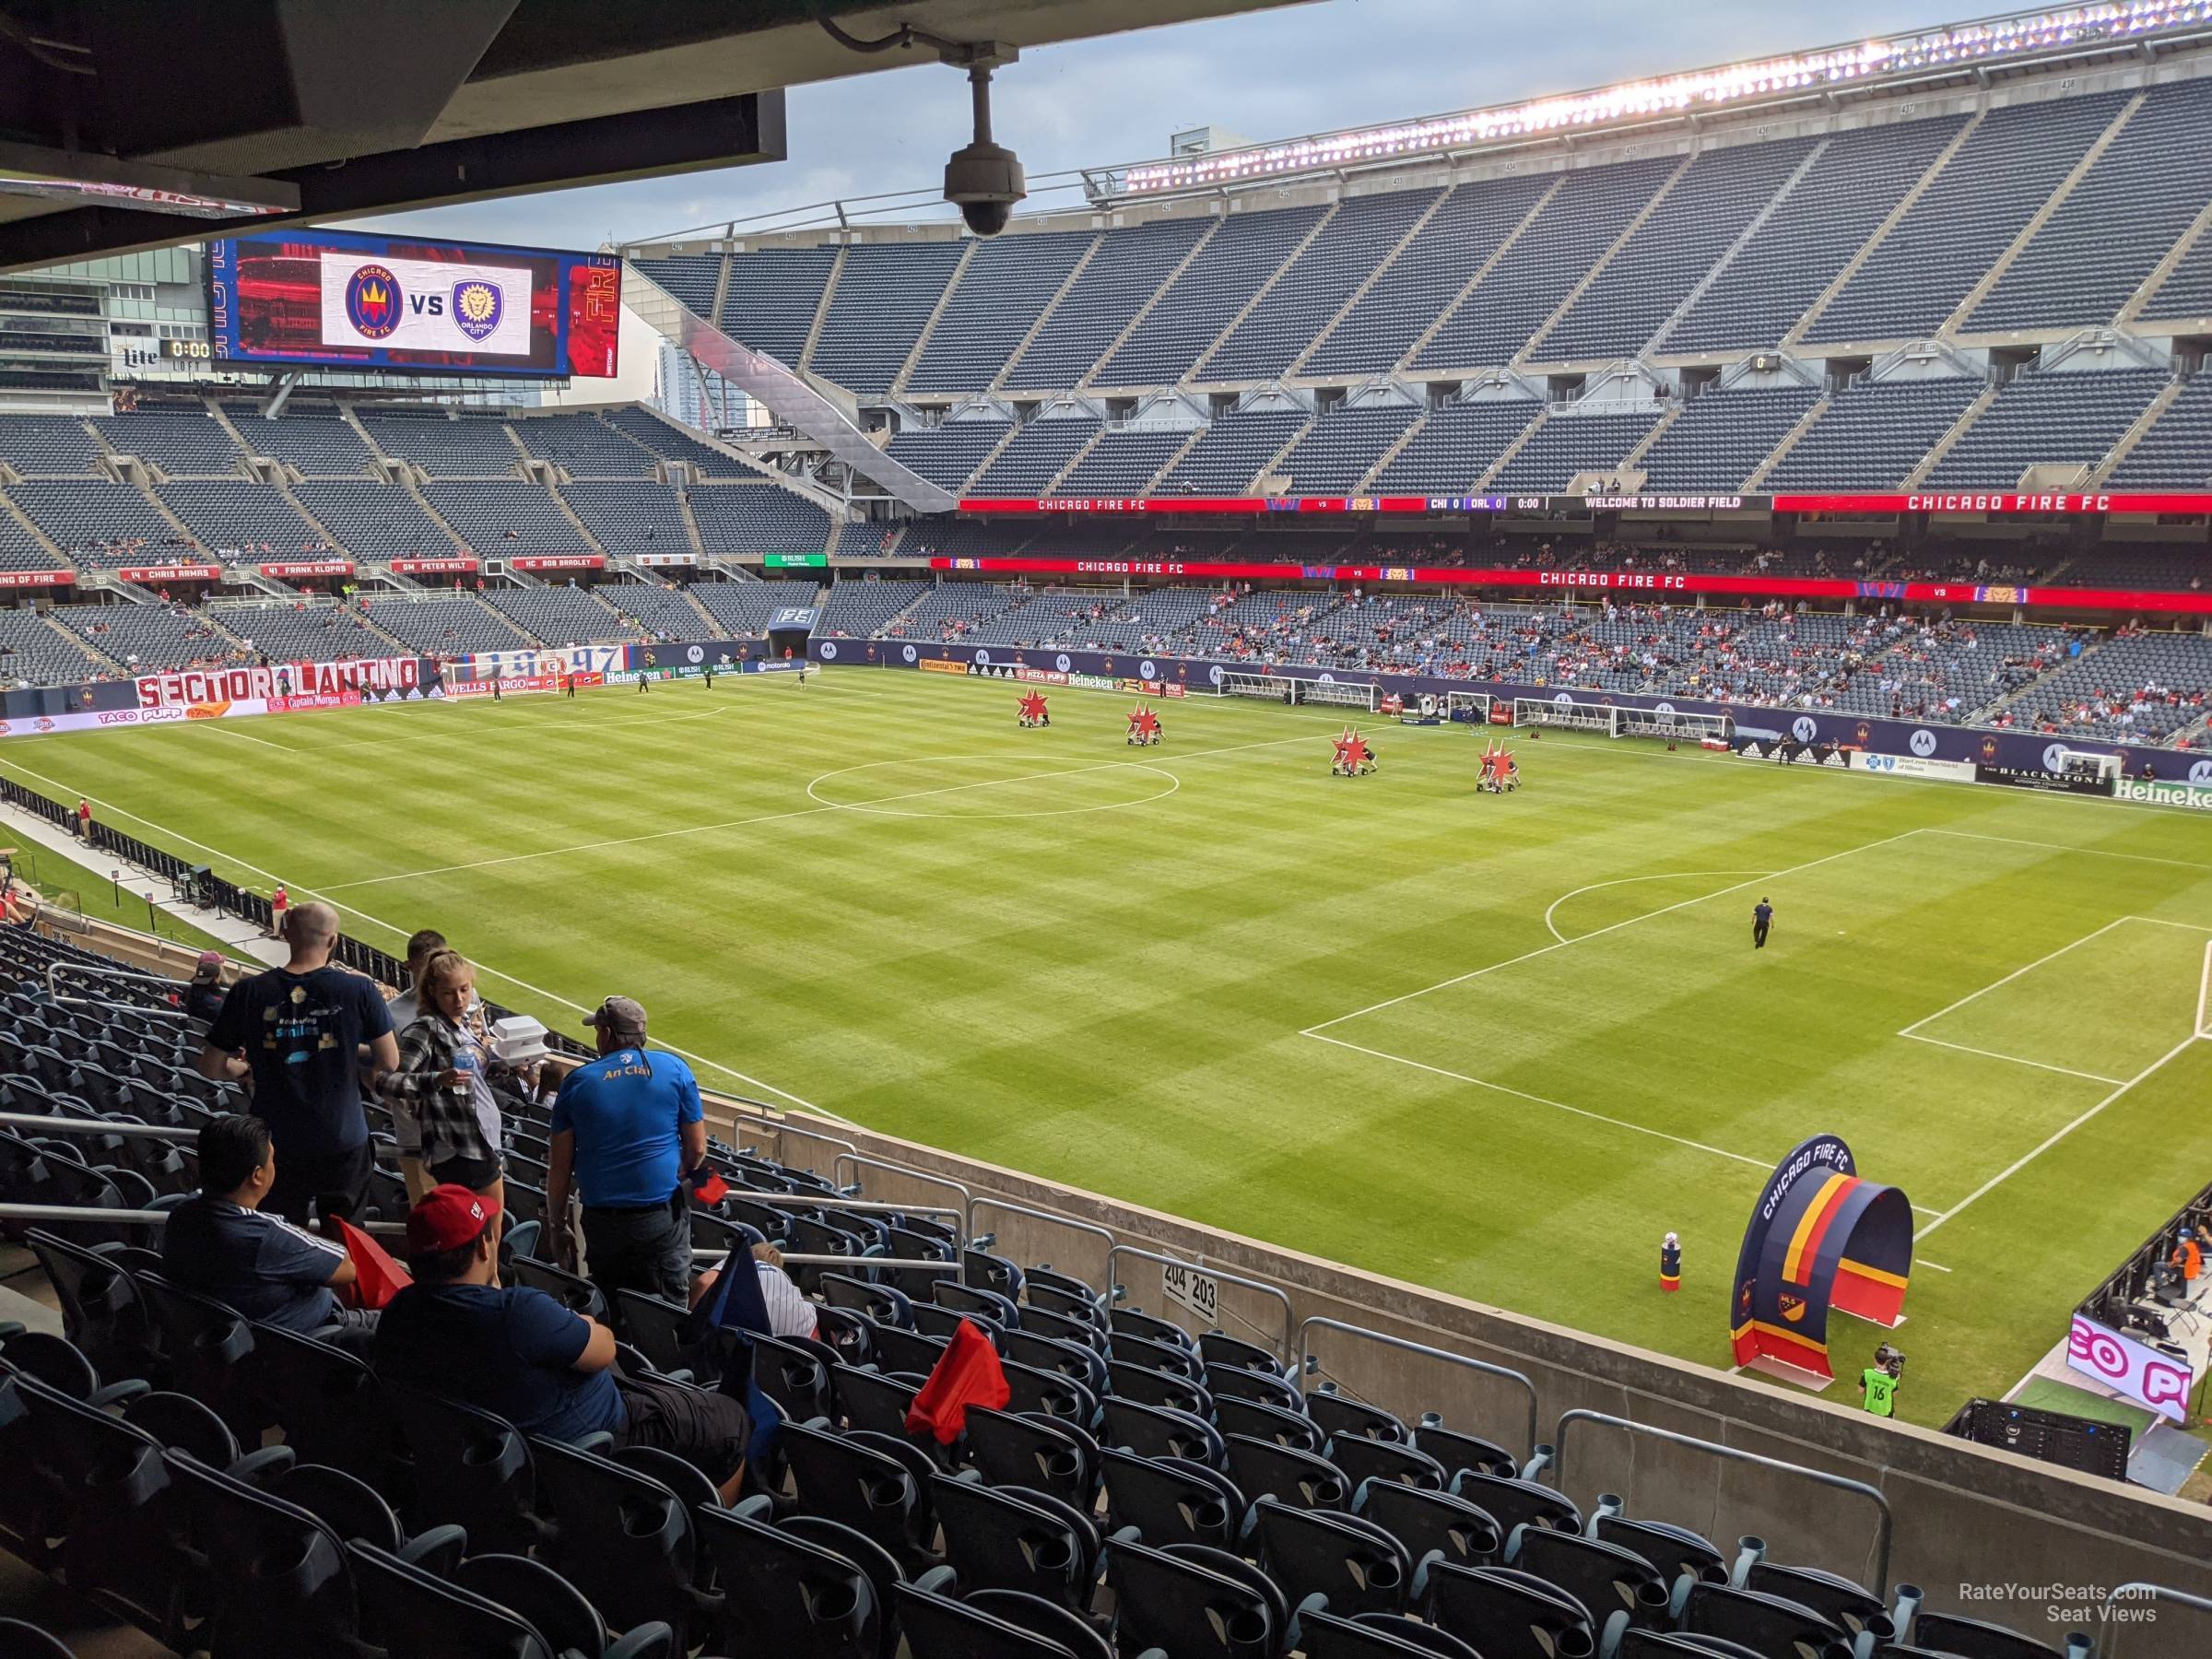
1762 918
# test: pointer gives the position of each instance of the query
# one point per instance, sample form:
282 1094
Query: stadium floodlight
1988 41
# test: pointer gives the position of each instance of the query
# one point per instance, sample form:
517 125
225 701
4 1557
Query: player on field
1031 711
1762 918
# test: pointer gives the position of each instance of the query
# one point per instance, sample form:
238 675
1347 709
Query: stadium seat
860 1486
622 1538
1431 1523
1606 1578
205 1350
1363 1459
1760 1622
1150 1430
1508 1615
1357 1566
1016 1538
1172 1500
659 1329
784 1594
329 1404
354 1509
875 1402
1266 1422
1301 1478
102 1312
1375 1636
1517 1502
1180 1600
1965 1638
1011 1449
272 1579
993 1624
468 1467
1149 1387
1849 1605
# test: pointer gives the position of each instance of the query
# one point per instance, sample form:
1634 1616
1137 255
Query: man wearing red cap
519 1354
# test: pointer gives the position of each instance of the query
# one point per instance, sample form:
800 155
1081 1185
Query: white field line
1392 1002
401 933
1923 1262
2014 840
795 812
2029 968
2204 984
2050 1140
2065 1071
1625 881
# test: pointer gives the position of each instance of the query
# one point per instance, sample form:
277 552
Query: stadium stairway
1366 283
821 309
1197 374
2152 413
1391 451
1476 277
936 315
2168 264
1789 441
1520 443
1955 323
1531 348
1045 316
1745 237
1944 445
1905 204
1143 313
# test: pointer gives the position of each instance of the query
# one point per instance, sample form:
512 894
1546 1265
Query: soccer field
1497 1046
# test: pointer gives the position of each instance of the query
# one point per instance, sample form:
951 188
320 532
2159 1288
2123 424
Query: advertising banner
523 685
384 676
2194 795
456 565
2131 1368
1014 671
36 579
2049 780
939 665
658 561
313 567
531 663
1913 766
1979 502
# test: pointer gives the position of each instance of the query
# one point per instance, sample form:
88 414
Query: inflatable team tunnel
1821 1237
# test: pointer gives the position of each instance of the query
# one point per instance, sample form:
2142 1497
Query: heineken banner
1821 1237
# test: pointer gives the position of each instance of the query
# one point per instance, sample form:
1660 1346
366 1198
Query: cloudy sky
1266 76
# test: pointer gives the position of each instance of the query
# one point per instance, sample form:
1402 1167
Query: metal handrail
866 1206
803 1259
66 1125
53 988
2142 1591
1113 1256
1307 1358
120 1218
859 1161
1008 1206
1887 1522
780 1127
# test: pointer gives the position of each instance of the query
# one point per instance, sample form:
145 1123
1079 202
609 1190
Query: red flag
377 1277
968 1374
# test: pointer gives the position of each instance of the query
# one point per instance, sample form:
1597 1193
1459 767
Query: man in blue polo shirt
629 1127
220 1243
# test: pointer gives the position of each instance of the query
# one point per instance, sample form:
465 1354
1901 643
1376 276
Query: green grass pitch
1497 1046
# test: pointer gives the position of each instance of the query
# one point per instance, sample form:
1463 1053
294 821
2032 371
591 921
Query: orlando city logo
477 307
373 301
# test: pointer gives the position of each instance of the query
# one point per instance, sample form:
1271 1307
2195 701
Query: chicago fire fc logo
477 307
373 301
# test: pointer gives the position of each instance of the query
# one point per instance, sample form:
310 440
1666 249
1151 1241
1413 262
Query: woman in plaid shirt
446 1116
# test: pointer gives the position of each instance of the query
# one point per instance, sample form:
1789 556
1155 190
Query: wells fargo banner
1821 1237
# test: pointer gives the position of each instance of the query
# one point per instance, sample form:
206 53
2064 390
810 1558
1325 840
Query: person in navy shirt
1762 918
519 1354
628 1127
219 1243
302 1028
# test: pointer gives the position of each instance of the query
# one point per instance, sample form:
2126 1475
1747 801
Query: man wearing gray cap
629 1126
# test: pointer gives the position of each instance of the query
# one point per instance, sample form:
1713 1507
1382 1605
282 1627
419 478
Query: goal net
1472 706
1616 722
1300 688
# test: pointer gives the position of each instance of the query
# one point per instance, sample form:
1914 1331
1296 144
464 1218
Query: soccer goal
1616 722
1300 688
1471 706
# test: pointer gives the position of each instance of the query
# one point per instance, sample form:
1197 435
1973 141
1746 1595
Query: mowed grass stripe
1114 998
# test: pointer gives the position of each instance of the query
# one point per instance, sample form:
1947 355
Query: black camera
1889 1359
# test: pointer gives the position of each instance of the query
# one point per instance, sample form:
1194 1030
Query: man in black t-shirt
1762 918
302 1028
219 1243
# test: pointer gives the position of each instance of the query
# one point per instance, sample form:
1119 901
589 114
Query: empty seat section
772 297
1963 222
1233 451
746 607
583 446
660 611
2046 419
1790 259
471 447
48 445
884 296
98 523
239 513
1315 285
1247 249
1126 272
447 627
1037 455
1697 219
953 609
1531 278
758 518
2138 688
2116 224
1873 434
20 549
1121 463
688 277
312 437
561 616
630 518
1721 437
373 521
1456 445
497 517
1415 286
1001 294
290 632
149 636
1333 458
2176 453
672 442
947 455
861 608
180 441
34 652
1568 444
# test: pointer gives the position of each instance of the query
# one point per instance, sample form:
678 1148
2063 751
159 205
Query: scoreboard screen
335 299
